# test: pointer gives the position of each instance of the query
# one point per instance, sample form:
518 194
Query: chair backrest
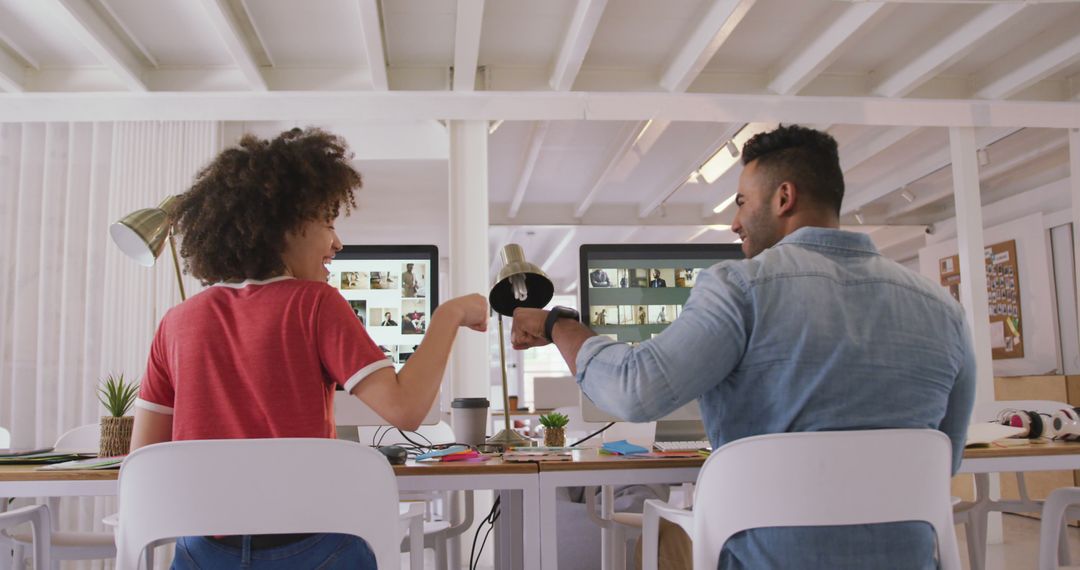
5 438
83 438
257 486
825 478
41 524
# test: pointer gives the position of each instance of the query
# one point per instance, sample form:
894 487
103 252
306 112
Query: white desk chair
39 519
782 480
68 545
256 486
439 524
1053 545
974 515
5 438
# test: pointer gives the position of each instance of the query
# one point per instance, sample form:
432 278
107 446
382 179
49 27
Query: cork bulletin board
1003 294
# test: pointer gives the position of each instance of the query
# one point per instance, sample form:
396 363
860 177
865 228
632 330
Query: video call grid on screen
632 292
394 306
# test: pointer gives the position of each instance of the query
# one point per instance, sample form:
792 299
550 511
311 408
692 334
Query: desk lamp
520 284
141 235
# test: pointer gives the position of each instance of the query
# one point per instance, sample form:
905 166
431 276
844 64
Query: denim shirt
818 332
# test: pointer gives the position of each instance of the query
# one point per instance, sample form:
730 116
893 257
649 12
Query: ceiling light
694 178
720 162
907 195
719 227
983 156
859 218
641 133
495 126
723 205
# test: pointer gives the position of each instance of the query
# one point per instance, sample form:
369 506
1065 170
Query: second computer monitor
393 289
632 292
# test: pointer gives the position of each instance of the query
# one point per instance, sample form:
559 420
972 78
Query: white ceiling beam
903 78
995 168
532 153
12 74
683 173
612 214
576 44
372 31
629 135
224 22
914 171
470 18
719 22
866 147
533 106
98 37
821 47
558 250
1052 51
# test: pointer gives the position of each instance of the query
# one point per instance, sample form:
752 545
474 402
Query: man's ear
786 196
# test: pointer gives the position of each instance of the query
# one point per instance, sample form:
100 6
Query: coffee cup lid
470 403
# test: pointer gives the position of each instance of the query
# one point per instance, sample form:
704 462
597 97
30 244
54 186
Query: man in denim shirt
814 331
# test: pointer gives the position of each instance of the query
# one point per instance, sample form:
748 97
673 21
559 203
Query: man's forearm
568 336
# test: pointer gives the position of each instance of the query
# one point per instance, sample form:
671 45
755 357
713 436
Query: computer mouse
394 454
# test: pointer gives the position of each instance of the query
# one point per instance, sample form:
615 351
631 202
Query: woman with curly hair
259 352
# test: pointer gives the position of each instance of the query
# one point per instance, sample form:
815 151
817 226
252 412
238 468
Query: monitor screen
632 292
393 290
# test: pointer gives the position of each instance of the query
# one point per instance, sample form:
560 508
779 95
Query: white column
468 248
1074 186
969 234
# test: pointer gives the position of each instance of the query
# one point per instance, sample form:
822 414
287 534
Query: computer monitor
393 289
632 292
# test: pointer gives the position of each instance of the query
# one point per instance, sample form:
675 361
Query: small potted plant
554 429
117 396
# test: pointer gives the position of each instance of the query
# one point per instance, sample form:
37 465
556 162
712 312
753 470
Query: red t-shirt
257 360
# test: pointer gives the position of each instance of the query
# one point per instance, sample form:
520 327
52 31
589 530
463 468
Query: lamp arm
176 265
505 391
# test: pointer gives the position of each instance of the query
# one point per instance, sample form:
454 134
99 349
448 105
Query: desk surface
591 459
493 466
1024 450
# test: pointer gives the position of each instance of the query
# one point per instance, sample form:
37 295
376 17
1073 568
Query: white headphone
1066 424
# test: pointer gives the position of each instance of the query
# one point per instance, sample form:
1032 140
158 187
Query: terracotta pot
555 437
115 435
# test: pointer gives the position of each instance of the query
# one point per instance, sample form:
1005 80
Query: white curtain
73 308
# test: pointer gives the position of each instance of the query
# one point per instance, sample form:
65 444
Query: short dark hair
805 157
234 219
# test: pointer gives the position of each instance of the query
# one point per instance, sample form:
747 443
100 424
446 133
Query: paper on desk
984 433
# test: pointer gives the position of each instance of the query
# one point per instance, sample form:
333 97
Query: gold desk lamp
141 235
520 284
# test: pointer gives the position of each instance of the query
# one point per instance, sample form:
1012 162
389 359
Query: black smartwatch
556 313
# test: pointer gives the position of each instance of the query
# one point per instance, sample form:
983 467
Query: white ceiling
587 181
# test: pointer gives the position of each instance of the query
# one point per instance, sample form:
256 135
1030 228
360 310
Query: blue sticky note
623 447
441 452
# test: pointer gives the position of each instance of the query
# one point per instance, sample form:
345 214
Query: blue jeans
320 551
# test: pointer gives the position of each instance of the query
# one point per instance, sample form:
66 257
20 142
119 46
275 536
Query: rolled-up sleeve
694 354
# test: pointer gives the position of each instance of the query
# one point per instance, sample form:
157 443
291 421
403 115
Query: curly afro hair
234 219
805 157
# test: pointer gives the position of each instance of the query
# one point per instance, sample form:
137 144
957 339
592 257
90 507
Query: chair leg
442 562
971 531
1064 559
618 547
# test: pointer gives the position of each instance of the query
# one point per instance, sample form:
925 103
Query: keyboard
682 445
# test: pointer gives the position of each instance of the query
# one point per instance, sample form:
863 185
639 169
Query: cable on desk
592 435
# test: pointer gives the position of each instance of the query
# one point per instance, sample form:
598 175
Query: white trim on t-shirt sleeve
141 403
365 372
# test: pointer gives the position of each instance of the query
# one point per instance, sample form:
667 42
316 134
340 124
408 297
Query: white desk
518 483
